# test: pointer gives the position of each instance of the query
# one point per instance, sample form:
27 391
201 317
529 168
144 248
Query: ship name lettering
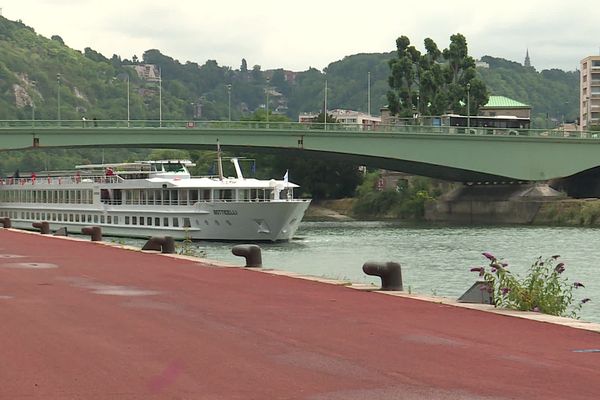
225 212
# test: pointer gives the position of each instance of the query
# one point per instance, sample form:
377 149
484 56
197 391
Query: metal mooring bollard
5 222
165 244
43 226
390 273
251 252
94 231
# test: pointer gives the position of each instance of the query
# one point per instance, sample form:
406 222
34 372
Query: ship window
243 194
89 218
37 216
76 217
133 220
54 216
148 220
193 196
165 197
206 222
116 219
226 194
217 223
228 222
60 217
109 219
205 194
187 223
258 194
165 221
95 219
176 222
183 197
102 219
126 220
157 221
174 197
157 197
143 197
70 217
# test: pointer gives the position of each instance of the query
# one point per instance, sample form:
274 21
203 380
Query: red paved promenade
80 320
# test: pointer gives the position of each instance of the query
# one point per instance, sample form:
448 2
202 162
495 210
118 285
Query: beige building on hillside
589 97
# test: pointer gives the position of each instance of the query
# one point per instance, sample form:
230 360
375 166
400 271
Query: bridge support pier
492 204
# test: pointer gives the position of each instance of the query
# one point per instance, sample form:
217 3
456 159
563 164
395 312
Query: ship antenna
219 161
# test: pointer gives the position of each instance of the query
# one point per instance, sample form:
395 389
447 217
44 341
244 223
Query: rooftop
504 102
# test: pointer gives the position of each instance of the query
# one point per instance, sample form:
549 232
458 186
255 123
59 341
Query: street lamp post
325 106
128 115
229 102
33 83
268 80
159 98
369 93
468 107
58 98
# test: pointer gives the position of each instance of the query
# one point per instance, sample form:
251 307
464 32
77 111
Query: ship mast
219 161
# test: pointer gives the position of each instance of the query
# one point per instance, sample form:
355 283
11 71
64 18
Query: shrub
544 289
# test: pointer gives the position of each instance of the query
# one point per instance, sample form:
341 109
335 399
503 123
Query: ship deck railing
61 180
193 202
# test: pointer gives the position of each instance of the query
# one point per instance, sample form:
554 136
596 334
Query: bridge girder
455 157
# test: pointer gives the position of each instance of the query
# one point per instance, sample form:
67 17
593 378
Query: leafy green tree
57 39
435 82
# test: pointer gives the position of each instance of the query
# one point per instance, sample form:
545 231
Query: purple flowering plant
544 289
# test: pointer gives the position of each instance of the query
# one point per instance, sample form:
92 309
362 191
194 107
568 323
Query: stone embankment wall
550 210
535 204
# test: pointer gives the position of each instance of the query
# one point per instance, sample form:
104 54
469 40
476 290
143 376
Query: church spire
527 60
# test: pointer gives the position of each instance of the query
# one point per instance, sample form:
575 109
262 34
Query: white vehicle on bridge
155 198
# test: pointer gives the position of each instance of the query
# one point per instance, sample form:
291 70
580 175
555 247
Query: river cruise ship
155 198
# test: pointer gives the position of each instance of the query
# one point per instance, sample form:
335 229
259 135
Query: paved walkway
82 320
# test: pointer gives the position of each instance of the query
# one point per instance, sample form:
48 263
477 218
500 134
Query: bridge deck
444 152
120 324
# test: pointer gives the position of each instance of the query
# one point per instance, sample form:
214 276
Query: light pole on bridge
58 98
128 119
268 81
325 106
229 102
468 107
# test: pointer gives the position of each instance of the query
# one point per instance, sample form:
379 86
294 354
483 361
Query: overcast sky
311 33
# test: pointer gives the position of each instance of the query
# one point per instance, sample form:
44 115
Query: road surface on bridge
82 320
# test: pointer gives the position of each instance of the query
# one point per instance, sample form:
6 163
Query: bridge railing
409 126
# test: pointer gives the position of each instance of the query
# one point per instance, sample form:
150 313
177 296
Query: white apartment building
589 98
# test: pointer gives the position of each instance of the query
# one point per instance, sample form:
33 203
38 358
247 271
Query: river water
435 259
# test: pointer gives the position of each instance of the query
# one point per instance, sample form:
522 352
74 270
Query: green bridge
450 153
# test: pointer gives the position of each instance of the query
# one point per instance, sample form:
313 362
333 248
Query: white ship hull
155 199
232 221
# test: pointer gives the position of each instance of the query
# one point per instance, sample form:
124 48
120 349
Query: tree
435 82
58 39
403 77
